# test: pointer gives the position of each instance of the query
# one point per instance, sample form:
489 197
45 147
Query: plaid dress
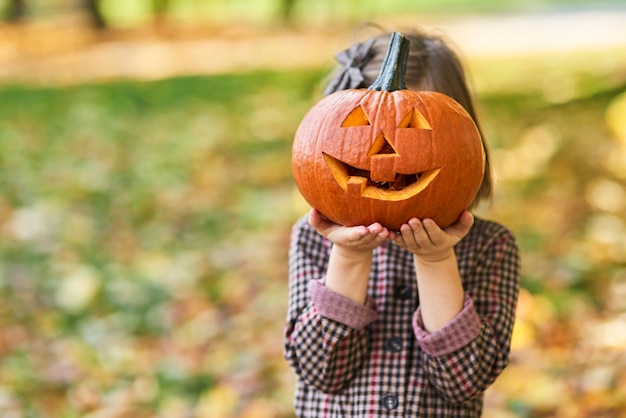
376 359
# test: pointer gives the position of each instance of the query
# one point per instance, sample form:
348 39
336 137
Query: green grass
144 228
114 199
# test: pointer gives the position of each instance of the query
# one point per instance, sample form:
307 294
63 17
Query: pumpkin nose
382 146
383 155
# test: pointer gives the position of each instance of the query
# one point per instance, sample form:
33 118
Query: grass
144 228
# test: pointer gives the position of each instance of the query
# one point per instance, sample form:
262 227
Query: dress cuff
332 305
459 332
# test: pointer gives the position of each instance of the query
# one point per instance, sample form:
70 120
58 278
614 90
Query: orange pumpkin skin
393 136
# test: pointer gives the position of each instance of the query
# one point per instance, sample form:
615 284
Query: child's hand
356 238
429 242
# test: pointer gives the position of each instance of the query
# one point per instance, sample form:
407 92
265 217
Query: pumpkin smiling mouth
355 180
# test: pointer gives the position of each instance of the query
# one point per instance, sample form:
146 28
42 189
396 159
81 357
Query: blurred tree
15 11
160 9
95 15
287 7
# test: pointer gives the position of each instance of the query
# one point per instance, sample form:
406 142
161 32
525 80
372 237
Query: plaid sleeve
326 338
462 330
466 356
334 306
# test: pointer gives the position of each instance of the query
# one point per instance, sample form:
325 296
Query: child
409 323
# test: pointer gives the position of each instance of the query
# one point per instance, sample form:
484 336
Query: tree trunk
287 7
93 8
16 11
159 11
160 7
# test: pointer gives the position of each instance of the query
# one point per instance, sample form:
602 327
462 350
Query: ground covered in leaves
144 230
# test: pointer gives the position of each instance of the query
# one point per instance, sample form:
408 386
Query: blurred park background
146 196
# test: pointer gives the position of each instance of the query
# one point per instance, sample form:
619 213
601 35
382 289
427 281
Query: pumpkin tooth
357 184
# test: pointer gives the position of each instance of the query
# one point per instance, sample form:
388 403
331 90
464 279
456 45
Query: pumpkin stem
393 70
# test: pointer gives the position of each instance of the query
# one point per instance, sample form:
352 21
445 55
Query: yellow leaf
218 402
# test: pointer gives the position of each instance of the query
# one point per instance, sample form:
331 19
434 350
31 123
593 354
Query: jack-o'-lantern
387 154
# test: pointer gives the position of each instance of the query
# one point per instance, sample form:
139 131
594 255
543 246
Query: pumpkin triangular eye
356 118
414 119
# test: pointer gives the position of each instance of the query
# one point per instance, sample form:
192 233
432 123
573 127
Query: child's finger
375 228
407 237
420 234
435 234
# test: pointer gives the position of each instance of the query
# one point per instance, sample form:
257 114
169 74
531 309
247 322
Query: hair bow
353 60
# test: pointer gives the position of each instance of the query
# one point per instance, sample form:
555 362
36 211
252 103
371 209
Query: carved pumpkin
387 154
